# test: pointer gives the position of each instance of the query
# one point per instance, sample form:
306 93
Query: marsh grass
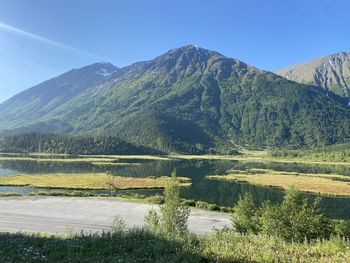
8 194
263 156
58 160
132 157
115 164
87 181
50 156
329 184
246 156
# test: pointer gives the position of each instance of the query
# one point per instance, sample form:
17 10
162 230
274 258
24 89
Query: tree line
64 144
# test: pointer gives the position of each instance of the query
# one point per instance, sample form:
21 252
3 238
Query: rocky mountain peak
330 72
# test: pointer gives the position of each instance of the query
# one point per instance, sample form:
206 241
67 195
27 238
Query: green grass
87 181
141 246
158 199
133 246
232 247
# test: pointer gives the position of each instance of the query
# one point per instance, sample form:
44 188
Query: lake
222 193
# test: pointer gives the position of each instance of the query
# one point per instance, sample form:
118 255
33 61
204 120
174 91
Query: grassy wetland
230 176
92 181
158 242
329 184
207 182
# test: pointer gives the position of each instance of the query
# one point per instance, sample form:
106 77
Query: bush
295 219
244 216
172 221
201 205
342 228
156 199
226 209
207 206
186 202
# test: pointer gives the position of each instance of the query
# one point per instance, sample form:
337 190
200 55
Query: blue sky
40 39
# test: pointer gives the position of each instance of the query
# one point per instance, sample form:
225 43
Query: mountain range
189 100
330 72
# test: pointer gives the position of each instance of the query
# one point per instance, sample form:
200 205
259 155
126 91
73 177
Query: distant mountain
189 100
330 72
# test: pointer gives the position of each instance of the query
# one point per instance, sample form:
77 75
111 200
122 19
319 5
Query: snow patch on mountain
104 72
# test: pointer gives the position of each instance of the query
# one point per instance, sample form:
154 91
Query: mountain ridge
191 100
331 72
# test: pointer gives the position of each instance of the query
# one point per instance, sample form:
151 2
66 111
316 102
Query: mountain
189 100
32 104
330 72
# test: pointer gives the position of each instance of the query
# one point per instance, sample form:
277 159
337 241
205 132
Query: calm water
218 192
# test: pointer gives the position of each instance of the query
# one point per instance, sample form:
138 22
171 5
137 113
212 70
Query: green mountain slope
330 72
29 106
195 100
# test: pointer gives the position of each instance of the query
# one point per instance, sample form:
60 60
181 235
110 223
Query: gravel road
73 214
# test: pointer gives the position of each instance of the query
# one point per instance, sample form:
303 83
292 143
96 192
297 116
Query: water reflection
211 191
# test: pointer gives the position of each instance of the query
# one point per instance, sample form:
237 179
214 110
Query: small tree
244 216
111 183
152 221
173 218
118 225
295 219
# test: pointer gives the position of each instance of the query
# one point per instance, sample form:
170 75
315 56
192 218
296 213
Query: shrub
201 205
244 216
342 228
173 218
207 206
156 199
152 221
118 225
186 202
295 219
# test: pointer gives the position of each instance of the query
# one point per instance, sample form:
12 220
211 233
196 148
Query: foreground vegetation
140 245
91 181
294 231
330 184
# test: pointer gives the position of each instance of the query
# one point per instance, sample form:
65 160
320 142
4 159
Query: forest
73 145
